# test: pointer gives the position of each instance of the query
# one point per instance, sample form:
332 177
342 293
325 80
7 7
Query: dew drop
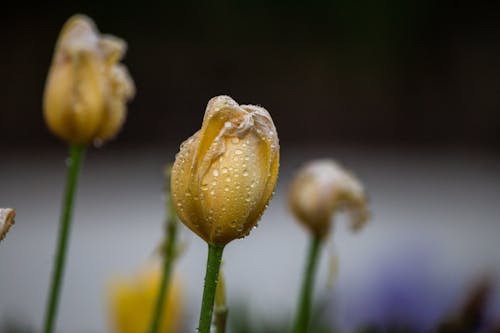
238 152
235 140
215 173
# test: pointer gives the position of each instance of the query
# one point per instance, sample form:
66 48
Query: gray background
435 231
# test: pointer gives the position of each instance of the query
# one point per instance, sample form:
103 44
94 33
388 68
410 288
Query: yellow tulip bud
86 89
132 303
224 175
6 221
320 189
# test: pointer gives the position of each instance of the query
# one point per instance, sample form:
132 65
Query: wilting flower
320 189
7 216
224 175
132 303
87 88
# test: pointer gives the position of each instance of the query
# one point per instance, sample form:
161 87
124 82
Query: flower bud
132 302
320 189
7 216
86 89
224 175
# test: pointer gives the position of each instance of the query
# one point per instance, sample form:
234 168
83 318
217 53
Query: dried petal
7 216
320 189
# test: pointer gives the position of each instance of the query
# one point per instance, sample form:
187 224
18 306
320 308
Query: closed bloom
7 216
132 302
320 189
225 174
87 88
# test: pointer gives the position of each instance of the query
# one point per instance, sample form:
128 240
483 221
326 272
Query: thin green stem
211 276
304 307
169 257
76 156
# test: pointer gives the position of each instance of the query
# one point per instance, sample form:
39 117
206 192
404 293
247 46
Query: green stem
211 275
168 261
304 307
76 156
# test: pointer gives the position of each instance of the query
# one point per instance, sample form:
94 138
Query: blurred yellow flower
132 302
320 189
86 89
225 174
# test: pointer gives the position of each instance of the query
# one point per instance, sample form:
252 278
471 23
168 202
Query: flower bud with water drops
87 88
322 188
225 174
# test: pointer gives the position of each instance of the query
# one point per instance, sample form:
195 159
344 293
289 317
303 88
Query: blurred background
404 93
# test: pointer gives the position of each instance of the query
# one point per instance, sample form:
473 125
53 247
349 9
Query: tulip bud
224 175
132 301
320 189
86 89
6 221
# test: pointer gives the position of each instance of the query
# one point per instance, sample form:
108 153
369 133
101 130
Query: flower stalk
303 315
168 256
75 161
211 276
222 180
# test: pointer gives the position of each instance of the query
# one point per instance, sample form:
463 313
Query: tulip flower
319 190
322 188
7 216
132 301
86 89
222 180
84 102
